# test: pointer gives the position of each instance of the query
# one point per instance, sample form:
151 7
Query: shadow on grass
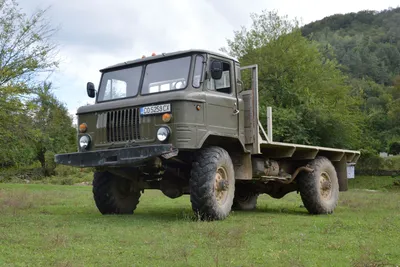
186 214
165 214
23 203
159 215
275 210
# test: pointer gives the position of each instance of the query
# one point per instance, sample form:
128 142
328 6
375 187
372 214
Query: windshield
166 75
160 76
120 84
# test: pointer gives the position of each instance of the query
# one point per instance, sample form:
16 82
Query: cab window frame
199 67
209 78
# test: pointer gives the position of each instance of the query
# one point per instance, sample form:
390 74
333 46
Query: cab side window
222 85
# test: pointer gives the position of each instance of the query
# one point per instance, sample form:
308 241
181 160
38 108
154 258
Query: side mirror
91 92
216 70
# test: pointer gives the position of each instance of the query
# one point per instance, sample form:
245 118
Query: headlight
162 134
84 141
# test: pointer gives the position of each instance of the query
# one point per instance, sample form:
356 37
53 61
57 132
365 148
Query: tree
52 126
26 45
312 100
265 28
26 51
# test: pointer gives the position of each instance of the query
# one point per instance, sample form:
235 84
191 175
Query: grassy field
59 225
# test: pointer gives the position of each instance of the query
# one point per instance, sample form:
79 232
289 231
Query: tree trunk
42 159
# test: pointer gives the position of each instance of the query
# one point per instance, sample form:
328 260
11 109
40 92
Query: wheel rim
325 186
124 189
221 185
243 197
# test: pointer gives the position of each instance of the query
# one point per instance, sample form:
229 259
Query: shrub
391 163
64 170
32 172
369 160
67 181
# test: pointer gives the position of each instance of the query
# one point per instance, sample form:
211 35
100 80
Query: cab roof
164 55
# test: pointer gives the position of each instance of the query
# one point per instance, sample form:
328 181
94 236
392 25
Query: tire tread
201 182
105 198
308 187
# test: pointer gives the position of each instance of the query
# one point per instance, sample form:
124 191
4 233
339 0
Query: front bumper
116 157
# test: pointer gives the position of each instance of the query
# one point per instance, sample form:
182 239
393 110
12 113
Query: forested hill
366 43
367 47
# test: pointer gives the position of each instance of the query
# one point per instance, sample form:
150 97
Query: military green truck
184 123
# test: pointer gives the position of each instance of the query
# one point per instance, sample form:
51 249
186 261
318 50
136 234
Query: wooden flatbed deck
299 152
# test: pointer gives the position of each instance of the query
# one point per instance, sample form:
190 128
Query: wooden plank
307 152
302 153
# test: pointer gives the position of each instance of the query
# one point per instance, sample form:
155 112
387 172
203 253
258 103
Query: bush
32 172
370 163
84 178
64 170
58 174
369 160
391 163
67 181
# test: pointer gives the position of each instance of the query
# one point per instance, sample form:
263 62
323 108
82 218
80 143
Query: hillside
367 46
367 43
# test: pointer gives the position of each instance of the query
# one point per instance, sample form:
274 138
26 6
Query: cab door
222 102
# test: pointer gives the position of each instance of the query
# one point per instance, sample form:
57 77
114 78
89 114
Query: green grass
381 183
54 225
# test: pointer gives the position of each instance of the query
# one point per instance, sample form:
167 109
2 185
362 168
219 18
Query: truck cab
163 99
182 123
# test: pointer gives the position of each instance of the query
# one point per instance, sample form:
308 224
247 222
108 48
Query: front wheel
212 184
319 189
113 194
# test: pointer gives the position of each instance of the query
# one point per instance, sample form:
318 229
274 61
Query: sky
97 33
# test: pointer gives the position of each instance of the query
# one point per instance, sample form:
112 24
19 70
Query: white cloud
95 34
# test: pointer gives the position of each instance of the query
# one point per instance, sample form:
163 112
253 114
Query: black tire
113 194
212 184
319 189
244 200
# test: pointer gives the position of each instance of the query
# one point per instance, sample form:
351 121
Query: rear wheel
212 184
113 194
319 189
244 200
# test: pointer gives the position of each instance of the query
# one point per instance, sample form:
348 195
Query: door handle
235 110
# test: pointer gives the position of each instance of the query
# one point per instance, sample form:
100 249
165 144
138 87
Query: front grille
119 125
123 125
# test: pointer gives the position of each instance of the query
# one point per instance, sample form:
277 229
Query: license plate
155 109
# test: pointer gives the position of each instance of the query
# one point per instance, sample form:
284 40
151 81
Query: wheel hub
221 185
325 185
